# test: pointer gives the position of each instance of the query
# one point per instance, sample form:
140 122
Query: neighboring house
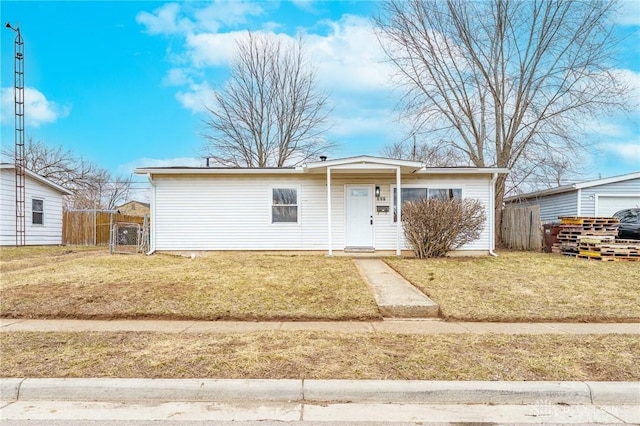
134 208
601 197
344 204
43 208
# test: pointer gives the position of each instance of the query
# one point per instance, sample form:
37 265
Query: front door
359 217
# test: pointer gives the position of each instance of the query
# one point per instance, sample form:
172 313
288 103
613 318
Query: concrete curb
379 391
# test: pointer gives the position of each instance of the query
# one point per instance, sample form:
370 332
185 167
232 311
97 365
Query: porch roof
363 164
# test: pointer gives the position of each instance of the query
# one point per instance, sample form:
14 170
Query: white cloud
628 152
226 13
38 110
164 20
177 77
172 18
197 98
349 57
211 50
306 5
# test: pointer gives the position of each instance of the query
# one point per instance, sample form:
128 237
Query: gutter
492 214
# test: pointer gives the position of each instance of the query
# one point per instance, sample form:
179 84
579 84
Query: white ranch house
345 204
43 208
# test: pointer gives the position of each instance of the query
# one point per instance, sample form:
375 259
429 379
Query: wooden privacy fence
91 228
521 228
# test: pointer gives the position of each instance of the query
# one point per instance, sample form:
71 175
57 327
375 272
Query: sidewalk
404 326
342 401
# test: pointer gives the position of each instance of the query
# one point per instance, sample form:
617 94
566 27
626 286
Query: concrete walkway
395 296
405 326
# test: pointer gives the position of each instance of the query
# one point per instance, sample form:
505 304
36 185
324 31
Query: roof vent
323 158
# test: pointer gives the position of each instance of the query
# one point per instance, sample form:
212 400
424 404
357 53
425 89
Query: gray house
601 197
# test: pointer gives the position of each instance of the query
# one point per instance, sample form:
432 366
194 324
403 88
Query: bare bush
434 227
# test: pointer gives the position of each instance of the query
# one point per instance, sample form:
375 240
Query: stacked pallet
573 228
610 250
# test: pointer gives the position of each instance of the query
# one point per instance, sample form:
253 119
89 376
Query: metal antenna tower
20 163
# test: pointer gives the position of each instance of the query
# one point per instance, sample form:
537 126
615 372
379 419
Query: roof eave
212 171
462 170
43 180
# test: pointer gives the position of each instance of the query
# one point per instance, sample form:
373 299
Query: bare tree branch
93 187
506 83
269 113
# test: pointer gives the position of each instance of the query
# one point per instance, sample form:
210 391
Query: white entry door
359 217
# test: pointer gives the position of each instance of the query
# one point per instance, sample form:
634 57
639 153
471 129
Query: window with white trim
37 211
421 193
284 205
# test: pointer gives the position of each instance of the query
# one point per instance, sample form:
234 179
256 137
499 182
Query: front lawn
321 355
516 287
215 286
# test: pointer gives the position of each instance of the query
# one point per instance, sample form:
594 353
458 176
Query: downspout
492 215
152 217
399 211
329 224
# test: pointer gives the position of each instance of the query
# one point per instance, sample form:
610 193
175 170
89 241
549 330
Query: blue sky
124 84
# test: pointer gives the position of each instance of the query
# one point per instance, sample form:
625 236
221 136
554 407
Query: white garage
606 205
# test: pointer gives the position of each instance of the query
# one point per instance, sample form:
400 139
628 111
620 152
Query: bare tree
503 81
93 187
436 155
269 113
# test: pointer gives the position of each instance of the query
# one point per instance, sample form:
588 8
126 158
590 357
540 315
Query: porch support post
399 212
329 236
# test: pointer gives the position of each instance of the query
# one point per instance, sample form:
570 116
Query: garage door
608 205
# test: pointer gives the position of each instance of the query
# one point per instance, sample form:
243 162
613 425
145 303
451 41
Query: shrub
434 227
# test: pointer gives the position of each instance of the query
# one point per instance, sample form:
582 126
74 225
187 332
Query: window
445 194
417 194
284 205
37 212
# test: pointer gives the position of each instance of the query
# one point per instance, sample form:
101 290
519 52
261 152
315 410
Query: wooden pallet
607 249
610 258
583 220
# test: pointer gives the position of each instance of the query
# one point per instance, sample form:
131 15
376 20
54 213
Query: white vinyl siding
234 212
49 233
554 206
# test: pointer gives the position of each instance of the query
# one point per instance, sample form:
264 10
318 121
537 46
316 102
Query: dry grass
233 286
18 258
528 287
321 355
